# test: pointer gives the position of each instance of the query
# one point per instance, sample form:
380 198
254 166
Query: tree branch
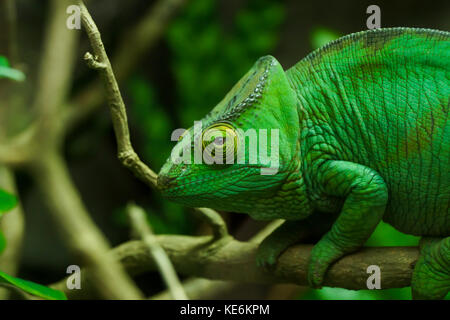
142 228
12 225
100 62
200 289
79 232
12 155
11 16
233 260
57 62
134 44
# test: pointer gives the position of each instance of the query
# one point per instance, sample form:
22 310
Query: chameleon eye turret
220 141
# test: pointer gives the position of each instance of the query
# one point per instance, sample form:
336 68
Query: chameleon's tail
431 277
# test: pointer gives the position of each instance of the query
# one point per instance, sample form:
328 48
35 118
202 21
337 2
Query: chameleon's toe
316 274
266 256
431 277
323 254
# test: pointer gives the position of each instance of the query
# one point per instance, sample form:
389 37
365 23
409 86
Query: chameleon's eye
221 138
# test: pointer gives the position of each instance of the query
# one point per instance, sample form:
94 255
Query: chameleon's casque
364 135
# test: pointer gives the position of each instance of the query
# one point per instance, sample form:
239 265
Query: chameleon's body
364 130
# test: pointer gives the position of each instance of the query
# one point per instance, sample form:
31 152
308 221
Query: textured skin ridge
383 98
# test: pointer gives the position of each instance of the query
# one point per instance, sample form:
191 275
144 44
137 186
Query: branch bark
142 228
201 289
232 260
57 63
11 16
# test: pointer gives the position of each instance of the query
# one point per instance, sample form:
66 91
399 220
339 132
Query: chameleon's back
384 96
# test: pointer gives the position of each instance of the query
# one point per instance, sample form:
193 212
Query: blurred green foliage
32 288
7 203
7 72
209 57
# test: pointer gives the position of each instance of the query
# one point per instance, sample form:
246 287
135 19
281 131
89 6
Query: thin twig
134 45
11 16
126 154
141 227
100 61
57 64
215 221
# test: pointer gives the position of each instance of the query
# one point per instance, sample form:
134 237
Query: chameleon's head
239 155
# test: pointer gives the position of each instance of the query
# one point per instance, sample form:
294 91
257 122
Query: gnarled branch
232 260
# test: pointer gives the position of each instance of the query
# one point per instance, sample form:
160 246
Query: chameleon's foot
267 255
431 277
323 254
289 233
272 246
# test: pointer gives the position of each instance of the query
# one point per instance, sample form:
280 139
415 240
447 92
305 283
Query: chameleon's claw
266 257
316 274
323 254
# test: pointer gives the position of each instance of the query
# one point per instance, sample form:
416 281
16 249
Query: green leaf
2 242
4 62
7 72
7 201
32 288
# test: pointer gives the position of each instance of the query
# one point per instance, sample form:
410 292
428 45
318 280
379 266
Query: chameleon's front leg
365 196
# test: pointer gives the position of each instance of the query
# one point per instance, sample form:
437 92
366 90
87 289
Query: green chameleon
364 135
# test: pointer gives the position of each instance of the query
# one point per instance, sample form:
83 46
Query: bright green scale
364 131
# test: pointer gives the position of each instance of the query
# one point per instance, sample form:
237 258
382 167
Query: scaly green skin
364 132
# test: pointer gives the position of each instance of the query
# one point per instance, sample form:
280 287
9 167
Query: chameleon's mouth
190 186
171 187
181 192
